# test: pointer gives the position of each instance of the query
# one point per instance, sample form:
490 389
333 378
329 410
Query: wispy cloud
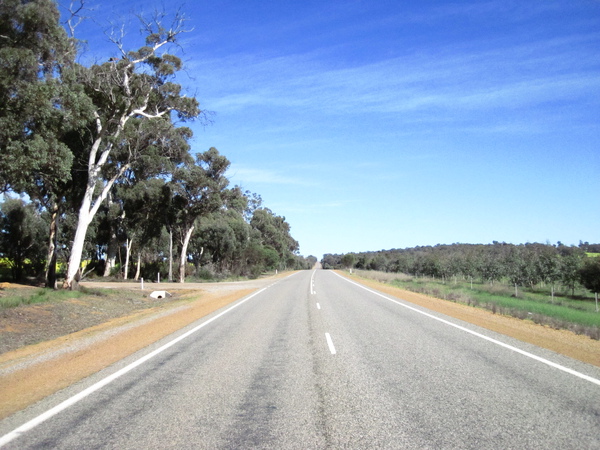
445 83
242 175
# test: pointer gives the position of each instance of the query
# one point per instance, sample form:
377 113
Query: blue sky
381 124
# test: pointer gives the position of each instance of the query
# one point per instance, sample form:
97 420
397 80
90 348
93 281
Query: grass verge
10 298
561 312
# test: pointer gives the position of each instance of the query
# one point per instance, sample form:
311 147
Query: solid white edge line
482 336
100 384
330 343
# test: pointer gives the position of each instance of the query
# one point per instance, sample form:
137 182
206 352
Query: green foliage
590 274
274 234
36 105
22 237
348 260
199 187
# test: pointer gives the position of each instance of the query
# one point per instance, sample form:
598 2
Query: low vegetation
561 311
28 295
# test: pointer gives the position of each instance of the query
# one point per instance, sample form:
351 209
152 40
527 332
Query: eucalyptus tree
34 51
515 266
144 211
138 203
224 235
39 105
274 233
311 261
125 92
199 189
348 260
217 241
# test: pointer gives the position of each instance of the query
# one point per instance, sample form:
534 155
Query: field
577 314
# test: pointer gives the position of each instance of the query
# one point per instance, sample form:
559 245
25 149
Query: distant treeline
528 265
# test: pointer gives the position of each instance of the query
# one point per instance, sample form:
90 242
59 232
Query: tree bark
86 214
170 254
79 240
139 267
111 250
50 269
128 245
183 260
111 254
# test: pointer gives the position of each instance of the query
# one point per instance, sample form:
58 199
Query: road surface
316 361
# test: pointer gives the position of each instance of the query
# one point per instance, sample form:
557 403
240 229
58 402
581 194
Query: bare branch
109 184
75 17
141 112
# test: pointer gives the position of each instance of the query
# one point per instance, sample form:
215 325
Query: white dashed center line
330 343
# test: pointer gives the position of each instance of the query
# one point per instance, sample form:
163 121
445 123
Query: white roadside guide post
142 283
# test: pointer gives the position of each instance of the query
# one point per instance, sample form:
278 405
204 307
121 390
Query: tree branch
102 196
75 18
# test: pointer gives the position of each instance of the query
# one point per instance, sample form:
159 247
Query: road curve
315 361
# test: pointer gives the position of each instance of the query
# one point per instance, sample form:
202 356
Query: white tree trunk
111 262
128 244
111 251
183 260
139 267
86 214
170 254
85 218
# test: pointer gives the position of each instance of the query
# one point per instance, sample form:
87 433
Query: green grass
10 298
576 314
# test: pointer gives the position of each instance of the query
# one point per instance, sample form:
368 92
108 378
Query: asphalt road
315 361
